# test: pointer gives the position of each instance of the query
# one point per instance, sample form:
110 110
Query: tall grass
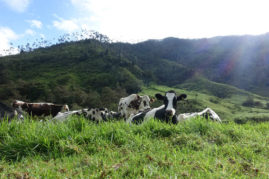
197 148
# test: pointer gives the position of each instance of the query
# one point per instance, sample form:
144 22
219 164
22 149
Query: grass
229 108
78 148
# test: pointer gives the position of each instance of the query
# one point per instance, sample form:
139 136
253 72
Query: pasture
78 148
229 108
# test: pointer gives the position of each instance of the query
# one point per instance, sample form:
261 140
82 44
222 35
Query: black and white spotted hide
166 112
133 104
100 114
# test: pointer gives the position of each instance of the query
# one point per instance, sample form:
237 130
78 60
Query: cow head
170 101
144 104
17 103
65 108
152 100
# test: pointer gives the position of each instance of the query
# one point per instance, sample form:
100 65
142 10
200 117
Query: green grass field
197 148
78 148
228 108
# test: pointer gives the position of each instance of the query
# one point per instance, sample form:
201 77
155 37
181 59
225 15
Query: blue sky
23 21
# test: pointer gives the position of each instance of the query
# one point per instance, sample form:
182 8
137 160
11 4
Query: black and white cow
166 112
133 104
94 114
100 114
10 113
207 113
63 116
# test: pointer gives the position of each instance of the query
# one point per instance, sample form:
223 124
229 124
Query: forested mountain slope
94 73
241 61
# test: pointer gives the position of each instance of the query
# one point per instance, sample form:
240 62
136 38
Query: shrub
249 102
267 105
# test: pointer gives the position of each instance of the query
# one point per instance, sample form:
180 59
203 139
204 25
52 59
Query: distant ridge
85 72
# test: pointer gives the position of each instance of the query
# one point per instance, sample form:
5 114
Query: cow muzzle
169 113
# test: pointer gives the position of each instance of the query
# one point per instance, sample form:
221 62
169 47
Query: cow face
144 104
170 101
65 107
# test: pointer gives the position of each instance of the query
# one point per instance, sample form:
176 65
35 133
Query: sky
23 21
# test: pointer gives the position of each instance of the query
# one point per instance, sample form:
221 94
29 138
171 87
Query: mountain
241 61
95 73
85 73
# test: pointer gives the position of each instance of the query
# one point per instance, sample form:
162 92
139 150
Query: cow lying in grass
62 116
93 114
40 109
133 104
167 112
9 113
207 113
100 114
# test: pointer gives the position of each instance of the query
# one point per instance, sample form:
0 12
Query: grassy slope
82 149
201 95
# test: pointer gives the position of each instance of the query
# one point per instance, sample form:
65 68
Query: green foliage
251 103
219 90
79 148
227 108
77 72
73 73
267 105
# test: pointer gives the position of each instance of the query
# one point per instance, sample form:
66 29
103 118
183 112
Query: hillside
205 94
80 73
241 61
93 73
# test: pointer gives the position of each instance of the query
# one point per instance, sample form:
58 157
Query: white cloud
17 5
6 36
66 25
29 32
130 20
35 23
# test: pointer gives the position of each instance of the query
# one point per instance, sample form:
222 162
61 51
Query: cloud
17 5
66 25
72 25
6 36
129 20
29 32
35 23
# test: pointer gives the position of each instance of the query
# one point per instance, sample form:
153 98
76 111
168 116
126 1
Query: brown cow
39 109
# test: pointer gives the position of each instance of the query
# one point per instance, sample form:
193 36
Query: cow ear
152 100
181 97
159 96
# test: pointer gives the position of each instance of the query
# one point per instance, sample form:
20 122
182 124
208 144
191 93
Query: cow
207 113
100 114
39 109
62 116
93 114
9 113
166 112
133 104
